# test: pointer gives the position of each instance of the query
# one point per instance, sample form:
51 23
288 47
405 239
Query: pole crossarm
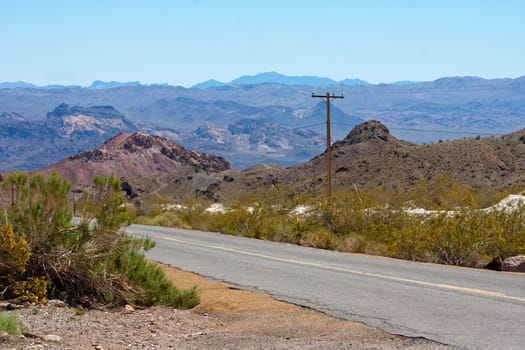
328 140
327 95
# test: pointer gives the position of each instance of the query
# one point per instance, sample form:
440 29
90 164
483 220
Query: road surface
476 309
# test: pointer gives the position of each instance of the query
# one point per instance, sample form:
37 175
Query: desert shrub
466 238
350 213
453 240
156 288
195 216
394 234
374 222
83 264
319 238
37 208
443 192
14 252
259 222
11 324
504 232
149 206
160 217
14 256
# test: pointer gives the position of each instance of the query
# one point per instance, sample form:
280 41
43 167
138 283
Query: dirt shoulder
226 318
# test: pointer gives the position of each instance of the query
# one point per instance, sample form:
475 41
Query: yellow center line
355 272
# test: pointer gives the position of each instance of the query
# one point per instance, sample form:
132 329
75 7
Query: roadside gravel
226 319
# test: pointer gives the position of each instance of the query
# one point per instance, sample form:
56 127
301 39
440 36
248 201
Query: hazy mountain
87 121
354 81
29 144
208 84
340 121
16 84
249 141
97 84
276 78
23 84
405 82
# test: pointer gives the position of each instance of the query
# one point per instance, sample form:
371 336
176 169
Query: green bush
93 262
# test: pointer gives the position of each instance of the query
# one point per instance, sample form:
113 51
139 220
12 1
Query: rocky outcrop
98 120
32 144
367 131
137 154
11 117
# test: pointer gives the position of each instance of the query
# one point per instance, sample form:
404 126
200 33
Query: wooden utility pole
328 141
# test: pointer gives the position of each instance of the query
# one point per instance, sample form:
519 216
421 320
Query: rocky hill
369 156
128 155
31 144
68 121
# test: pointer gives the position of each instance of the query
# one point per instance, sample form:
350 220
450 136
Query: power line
308 126
436 131
382 89
449 132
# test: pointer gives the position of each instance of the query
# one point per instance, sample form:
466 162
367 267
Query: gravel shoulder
226 318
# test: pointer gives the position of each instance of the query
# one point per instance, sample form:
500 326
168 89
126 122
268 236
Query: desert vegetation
451 225
43 255
11 324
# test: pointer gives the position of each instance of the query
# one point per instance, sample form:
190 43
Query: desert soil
226 318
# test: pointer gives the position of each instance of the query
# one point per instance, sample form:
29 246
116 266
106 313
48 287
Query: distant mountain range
276 78
258 121
262 78
23 84
97 84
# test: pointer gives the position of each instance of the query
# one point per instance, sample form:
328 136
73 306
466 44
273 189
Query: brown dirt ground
226 318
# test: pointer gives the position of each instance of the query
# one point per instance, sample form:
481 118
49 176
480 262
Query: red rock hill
126 155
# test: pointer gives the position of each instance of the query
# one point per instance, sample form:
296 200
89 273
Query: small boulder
511 264
514 264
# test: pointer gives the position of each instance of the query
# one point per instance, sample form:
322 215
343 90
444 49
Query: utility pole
328 141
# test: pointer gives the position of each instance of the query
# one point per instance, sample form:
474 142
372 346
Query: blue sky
186 42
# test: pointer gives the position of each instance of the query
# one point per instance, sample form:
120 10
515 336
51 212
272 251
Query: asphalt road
476 309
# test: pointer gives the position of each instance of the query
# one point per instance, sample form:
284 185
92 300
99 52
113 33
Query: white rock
53 338
301 210
217 208
56 303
